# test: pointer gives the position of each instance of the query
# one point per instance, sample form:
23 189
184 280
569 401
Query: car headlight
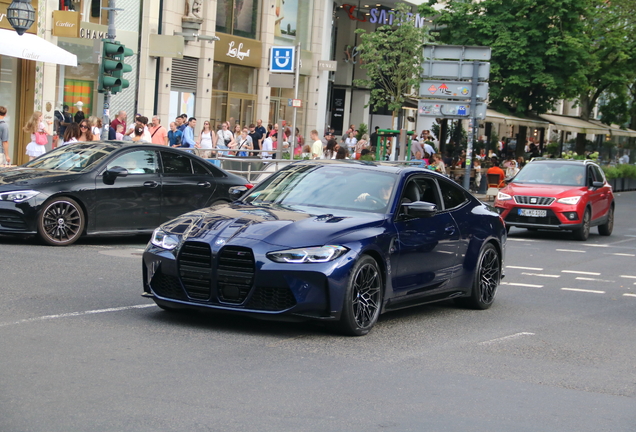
18 196
503 196
319 254
163 240
569 200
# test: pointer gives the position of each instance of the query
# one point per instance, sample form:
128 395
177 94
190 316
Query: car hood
542 190
285 227
27 177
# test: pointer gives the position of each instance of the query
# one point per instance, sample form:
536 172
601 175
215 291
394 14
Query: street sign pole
473 124
296 80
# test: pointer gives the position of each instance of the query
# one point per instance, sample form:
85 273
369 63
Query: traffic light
110 66
113 67
123 83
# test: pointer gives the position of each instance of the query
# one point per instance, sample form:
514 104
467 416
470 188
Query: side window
216 172
590 176
452 195
199 168
137 162
420 189
598 174
174 163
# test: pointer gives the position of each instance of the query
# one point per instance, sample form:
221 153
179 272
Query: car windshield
552 173
329 186
74 158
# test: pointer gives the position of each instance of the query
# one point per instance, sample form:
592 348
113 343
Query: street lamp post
21 15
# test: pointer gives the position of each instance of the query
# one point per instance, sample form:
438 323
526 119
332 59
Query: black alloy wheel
607 228
363 299
486 280
583 233
61 222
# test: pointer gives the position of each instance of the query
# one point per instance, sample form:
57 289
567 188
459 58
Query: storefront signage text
66 23
381 16
92 34
236 52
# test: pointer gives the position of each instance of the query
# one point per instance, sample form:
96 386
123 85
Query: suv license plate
533 213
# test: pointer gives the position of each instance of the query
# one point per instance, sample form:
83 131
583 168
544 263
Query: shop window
233 94
237 17
76 90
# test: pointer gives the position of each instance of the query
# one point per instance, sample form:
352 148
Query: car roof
563 161
389 167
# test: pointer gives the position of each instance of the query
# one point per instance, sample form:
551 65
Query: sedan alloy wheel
61 222
363 298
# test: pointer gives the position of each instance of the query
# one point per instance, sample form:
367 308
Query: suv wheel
584 232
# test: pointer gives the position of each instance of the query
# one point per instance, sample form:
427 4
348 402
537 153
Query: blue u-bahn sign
282 60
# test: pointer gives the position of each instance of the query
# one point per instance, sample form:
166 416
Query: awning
493 116
574 124
616 129
32 47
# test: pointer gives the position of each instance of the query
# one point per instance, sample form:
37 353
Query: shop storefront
17 78
236 63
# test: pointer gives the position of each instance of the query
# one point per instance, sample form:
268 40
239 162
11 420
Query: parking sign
281 60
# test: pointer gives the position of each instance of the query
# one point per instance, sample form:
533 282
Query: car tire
486 280
61 222
363 299
583 233
607 228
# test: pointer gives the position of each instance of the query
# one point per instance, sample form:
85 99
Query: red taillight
249 185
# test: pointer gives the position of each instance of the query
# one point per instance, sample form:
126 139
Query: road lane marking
596 245
570 250
629 295
74 314
524 240
623 254
521 285
592 279
581 272
628 277
506 338
525 268
583 290
541 275
629 235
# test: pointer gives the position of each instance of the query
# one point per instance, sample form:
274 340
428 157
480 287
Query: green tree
609 28
539 48
392 57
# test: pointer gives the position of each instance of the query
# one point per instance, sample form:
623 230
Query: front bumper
560 217
18 218
304 291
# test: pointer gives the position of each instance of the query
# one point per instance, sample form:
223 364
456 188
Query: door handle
450 230
204 184
151 184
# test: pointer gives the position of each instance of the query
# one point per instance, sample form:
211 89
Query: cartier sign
238 50
66 23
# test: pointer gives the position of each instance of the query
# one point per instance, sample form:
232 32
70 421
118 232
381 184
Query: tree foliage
539 47
392 58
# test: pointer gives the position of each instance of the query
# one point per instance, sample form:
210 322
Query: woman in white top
72 134
331 149
96 126
351 142
224 139
207 141
34 126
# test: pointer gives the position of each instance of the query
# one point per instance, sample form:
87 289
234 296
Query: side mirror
597 184
419 209
236 192
111 174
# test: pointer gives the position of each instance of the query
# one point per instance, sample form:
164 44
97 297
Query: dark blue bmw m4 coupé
340 241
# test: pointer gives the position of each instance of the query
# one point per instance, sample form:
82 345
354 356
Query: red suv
558 194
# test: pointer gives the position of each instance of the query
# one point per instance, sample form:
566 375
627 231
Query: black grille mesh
12 220
235 273
195 269
271 299
167 286
538 201
549 219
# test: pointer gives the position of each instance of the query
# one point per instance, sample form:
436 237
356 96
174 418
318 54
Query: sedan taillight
249 185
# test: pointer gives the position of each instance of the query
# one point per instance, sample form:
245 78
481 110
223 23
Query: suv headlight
503 196
163 240
569 200
18 196
319 254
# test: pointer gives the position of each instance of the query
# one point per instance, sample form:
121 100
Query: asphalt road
80 350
